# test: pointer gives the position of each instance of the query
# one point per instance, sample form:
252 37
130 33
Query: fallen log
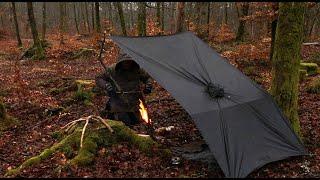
97 136
312 43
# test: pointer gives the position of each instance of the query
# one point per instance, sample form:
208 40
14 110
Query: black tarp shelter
240 122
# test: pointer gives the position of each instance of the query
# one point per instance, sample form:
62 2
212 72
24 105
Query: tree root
72 124
81 149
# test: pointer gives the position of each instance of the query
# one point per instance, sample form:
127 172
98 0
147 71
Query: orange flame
144 113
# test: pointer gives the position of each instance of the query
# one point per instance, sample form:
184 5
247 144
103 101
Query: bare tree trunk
242 24
110 12
2 22
158 16
75 17
39 51
83 17
44 20
180 17
13 8
142 26
208 19
162 17
92 16
201 12
286 60
131 15
62 24
98 25
198 16
317 14
273 29
226 13
122 21
172 17
87 16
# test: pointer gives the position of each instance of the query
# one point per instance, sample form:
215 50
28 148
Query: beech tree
37 45
98 25
142 25
16 24
286 60
180 17
44 20
122 21
242 23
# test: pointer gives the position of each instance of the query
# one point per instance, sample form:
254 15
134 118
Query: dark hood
124 57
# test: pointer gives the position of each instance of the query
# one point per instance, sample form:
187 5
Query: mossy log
95 138
311 68
314 86
6 121
32 51
302 74
83 52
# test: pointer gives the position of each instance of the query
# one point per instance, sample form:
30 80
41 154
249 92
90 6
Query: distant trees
87 16
286 59
44 20
142 15
274 22
37 45
75 17
16 24
159 16
180 17
62 24
200 20
97 10
122 21
241 28
244 19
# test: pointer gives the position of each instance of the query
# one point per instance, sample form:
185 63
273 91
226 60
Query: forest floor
30 90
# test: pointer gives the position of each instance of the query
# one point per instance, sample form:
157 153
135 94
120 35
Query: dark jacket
132 84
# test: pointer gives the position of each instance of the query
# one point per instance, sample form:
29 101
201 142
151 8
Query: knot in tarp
215 90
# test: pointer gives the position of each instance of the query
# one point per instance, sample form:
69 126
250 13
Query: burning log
146 119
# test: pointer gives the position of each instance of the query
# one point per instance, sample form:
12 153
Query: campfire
144 113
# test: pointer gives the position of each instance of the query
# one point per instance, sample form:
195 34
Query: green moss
143 143
258 79
3 113
315 58
56 135
4 92
86 153
94 139
250 70
286 60
6 121
67 150
12 172
83 95
45 154
83 52
45 82
311 68
56 91
314 86
302 74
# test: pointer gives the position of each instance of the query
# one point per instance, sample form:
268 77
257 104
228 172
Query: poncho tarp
239 120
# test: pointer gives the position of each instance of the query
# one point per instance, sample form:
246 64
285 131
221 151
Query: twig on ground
72 125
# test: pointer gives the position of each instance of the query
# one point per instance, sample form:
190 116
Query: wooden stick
83 130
